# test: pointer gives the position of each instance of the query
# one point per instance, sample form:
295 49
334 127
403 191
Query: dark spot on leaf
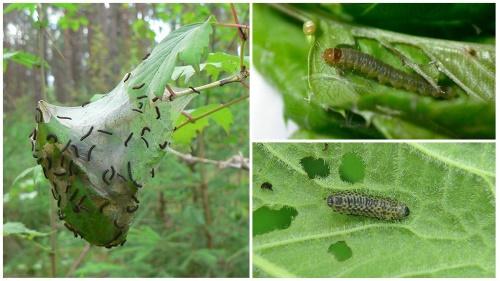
266 220
340 250
267 185
352 168
315 167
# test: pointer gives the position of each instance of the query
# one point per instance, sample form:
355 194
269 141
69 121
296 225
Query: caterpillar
67 188
126 77
158 115
129 169
45 172
70 167
347 58
61 215
90 152
87 134
78 207
354 203
137 110
75 149
51 137
145 141
104 177
101 209
66 146
53 194
163 145
105 132
128 138
62 161
123 242
139 86
85 103
132 209
146 56
142 97
112 173
155 99
135 199
194 90
64 117
267 186
49 163
144 130
141 104
152 172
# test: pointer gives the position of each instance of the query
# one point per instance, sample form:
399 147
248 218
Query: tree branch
235 161
220 107
79 260
170 95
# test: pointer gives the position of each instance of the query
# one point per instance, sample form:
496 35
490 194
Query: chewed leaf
98 155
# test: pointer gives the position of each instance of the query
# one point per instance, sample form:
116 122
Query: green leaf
19 7
187 133
449 189
18 228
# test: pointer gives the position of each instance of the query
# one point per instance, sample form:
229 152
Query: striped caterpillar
350 59
354 203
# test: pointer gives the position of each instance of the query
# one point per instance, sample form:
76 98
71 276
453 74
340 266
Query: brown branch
205 200
220 107
235 161
79 260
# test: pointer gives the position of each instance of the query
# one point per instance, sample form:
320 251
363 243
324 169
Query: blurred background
193 220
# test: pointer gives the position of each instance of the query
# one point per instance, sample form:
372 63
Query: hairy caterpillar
152 172
157 113
135 199
126 77
144 130
128 138
105 132
155 99
129 169
75 149
137 110
64 117
163 145
354 203
104 177
139 86
145 141
87 134
347 58
90 151
112 173
142 97
146 56
194 90
141 104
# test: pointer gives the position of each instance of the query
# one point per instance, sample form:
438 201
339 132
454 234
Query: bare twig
232 25
79 260
235 161
220 107
168 96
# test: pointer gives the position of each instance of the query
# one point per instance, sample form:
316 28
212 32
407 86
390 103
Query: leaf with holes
449 189
98 155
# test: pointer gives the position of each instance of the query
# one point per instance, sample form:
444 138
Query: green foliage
449 188
24 58
169 236
465 69
18 228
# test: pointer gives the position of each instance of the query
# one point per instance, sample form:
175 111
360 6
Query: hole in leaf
340 250
266 220
315 167
352 168
267 186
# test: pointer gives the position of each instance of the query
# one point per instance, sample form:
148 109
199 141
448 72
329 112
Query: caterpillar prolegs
351 59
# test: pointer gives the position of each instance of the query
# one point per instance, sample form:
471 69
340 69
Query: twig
235 161
194 119
232 25
167 96
79 260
